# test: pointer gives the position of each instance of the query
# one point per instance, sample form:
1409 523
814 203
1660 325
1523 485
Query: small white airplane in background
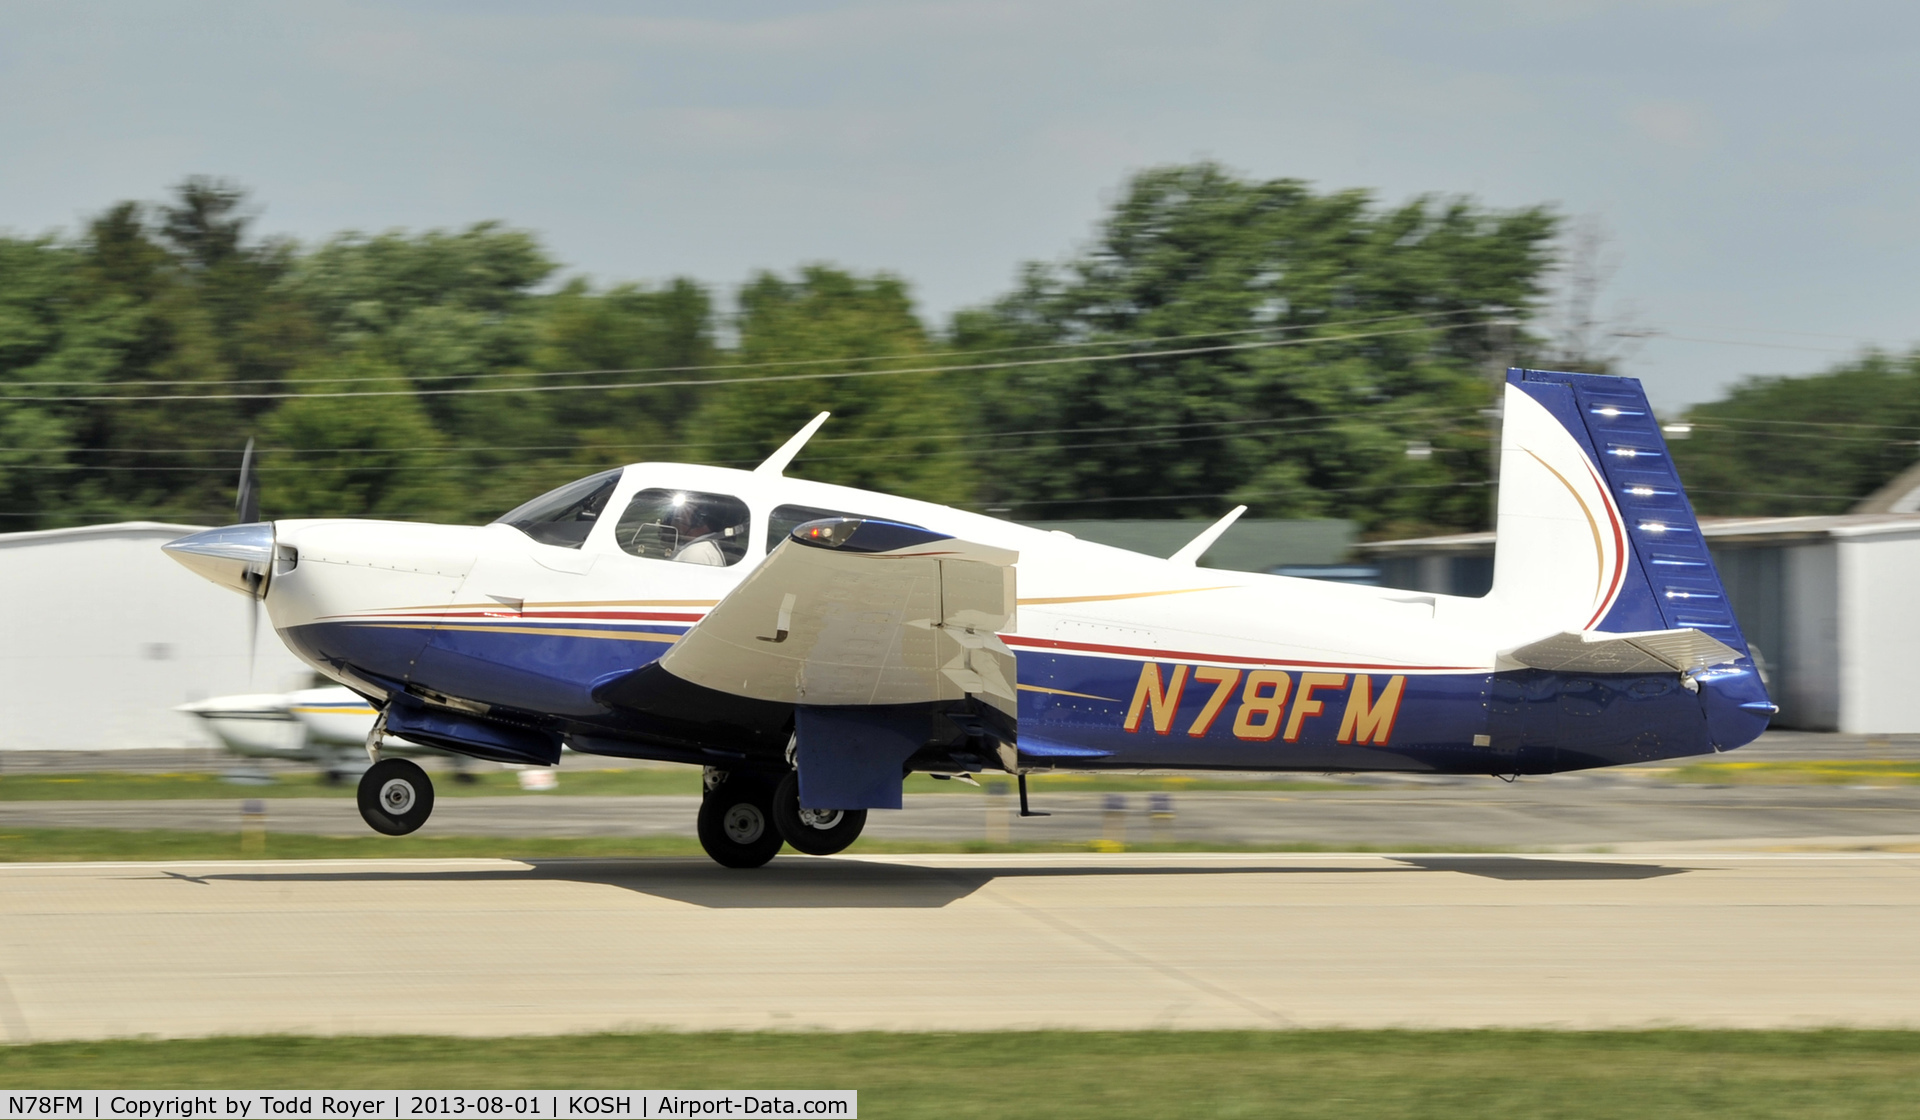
326 727
809 645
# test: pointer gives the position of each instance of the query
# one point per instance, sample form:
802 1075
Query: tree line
1219 340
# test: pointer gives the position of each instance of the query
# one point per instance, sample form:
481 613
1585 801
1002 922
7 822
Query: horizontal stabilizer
1648 651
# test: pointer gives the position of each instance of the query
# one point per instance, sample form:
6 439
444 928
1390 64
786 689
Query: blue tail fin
1667 578
1655 573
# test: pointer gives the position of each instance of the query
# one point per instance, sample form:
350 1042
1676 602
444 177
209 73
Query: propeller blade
246 507
247 504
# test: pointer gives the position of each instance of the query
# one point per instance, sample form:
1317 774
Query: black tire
822 832
396 796
736 822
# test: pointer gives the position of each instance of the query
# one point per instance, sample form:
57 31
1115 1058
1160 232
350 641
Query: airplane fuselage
1124 660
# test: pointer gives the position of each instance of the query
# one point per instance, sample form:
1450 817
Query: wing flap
861 613
1647 651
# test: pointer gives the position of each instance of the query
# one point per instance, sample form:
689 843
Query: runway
494 947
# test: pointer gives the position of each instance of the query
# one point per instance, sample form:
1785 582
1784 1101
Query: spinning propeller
237 556
246 507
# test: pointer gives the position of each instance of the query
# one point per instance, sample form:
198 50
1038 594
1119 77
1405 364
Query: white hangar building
109 633
1832 603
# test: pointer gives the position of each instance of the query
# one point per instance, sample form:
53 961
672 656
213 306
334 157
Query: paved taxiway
961 942
1571 811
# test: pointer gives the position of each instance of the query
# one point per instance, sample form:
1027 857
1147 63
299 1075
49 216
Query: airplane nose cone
237 556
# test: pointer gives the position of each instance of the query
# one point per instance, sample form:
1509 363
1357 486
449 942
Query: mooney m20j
809 645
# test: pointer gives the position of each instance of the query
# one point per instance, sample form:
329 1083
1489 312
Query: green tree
43 337
445 311
894 432
666 332
1197 257
359 456
1780 446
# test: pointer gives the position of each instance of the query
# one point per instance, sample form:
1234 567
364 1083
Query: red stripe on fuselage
505 612
1182 655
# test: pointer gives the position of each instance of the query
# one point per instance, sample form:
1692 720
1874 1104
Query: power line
1714 421
1711 423
818 441
1009 503
766 379
1467 484
1329 424
779 364
1759 345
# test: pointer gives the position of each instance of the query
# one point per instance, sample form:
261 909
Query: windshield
565 516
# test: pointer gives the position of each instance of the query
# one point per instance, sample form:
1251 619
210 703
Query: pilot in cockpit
699 537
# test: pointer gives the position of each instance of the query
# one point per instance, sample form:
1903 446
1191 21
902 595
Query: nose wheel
396 796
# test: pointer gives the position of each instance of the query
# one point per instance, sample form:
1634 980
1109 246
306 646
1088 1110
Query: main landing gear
736 819
817 832
396 796
746 817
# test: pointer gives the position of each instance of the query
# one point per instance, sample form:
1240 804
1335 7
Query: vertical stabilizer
1595 532
1597 537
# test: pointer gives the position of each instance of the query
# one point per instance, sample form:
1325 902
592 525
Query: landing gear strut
736 819
396 797
817 832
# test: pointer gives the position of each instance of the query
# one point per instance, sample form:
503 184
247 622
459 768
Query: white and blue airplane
809 645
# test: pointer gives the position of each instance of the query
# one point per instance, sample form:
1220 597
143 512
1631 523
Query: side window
685 525
565 516
784 519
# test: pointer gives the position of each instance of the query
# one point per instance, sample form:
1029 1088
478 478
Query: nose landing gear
396 796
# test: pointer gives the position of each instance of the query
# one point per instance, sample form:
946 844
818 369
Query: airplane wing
1647 651
857 612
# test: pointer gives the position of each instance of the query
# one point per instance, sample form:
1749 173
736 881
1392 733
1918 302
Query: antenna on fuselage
777 462
1197 547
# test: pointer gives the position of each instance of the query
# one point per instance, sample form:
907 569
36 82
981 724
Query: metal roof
114 529
1720 530
1251 545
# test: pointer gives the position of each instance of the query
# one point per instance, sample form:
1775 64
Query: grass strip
1433 1075
682 781
47 845
1836 772
119 786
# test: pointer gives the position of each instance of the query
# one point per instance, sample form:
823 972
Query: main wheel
396 796
817 832
736 822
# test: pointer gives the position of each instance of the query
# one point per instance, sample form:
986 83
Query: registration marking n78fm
1267 702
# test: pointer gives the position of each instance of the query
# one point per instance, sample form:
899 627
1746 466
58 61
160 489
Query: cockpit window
565 516
685 525
784 519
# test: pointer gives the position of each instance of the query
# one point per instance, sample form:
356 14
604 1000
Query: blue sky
1756 163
